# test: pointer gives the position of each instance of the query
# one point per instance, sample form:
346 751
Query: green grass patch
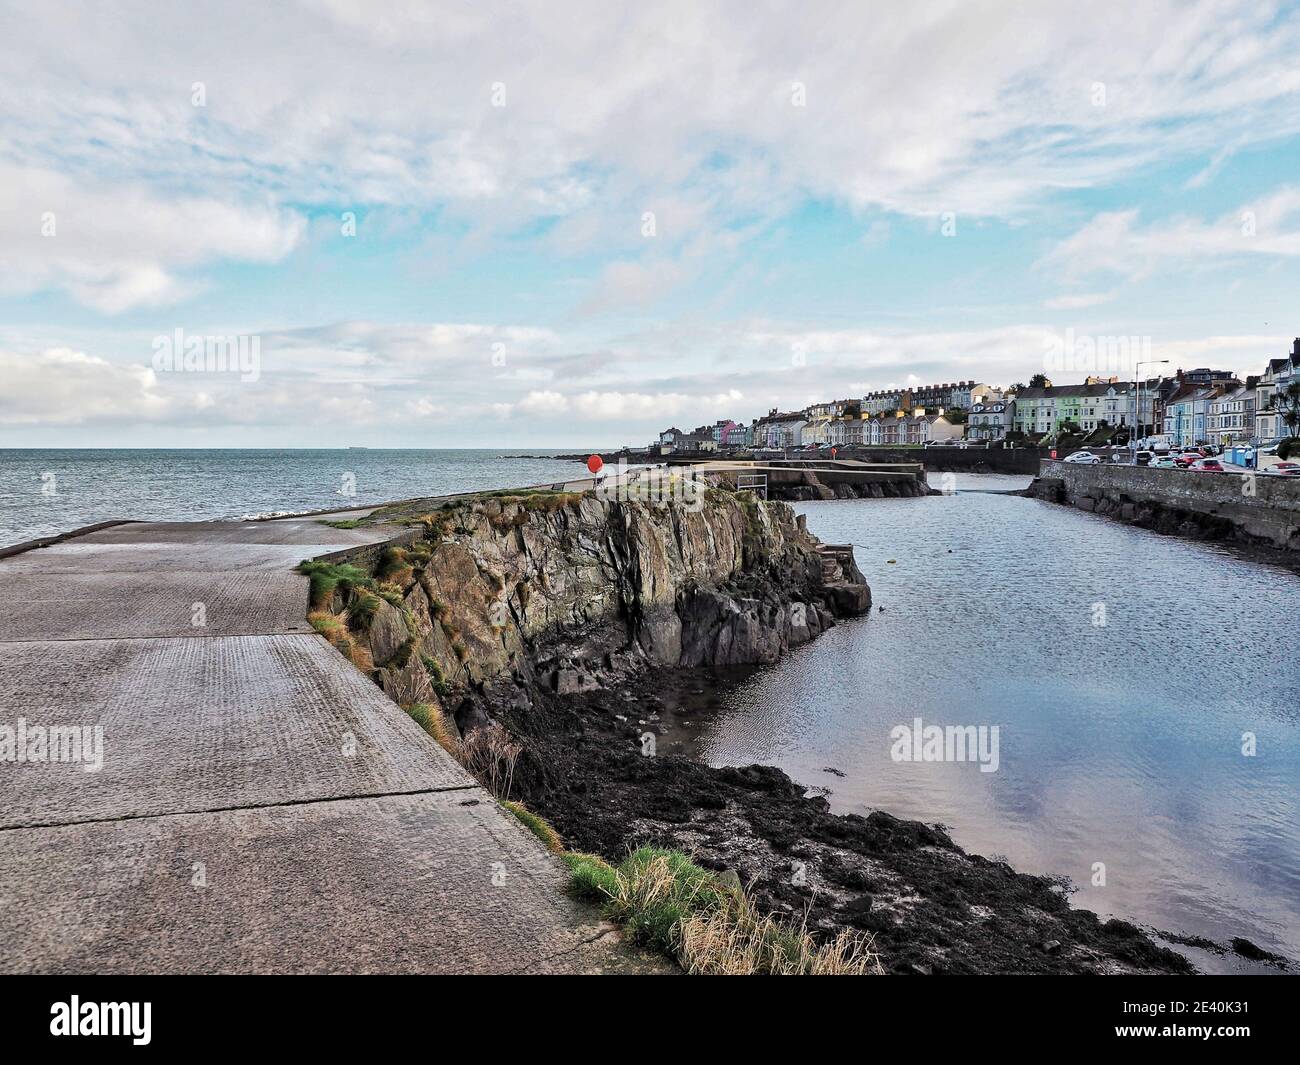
362 607
537 825
666 902
327 577
658 890
594 879
436 678
342 523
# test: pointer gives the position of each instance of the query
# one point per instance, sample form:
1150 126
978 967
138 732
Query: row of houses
1195 406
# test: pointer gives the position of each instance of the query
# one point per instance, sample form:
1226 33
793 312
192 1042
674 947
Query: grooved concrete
405 884
103 606
333 835
205 724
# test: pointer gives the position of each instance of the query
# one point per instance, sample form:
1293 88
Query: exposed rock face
569 591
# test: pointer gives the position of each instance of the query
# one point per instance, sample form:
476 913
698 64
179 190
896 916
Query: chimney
1295 350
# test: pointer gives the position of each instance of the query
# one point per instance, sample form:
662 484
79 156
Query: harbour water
1125 671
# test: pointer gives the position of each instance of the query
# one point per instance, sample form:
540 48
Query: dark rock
388 633
850 600
1247 949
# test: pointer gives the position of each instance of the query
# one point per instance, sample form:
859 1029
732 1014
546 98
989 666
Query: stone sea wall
1257 509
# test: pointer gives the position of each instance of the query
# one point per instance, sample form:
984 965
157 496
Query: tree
1287 402
1039 380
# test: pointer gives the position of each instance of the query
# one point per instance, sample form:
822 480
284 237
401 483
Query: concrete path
261 806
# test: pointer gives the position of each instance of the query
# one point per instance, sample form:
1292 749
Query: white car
1086 457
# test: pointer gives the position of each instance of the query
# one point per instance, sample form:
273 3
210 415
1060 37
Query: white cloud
1115 242
64 387
910 108
1078 301
119 247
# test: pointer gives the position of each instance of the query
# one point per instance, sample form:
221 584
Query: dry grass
666 901
735 940
538 826
332 627
430 718
490 755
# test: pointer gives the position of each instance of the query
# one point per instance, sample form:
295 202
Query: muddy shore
930 907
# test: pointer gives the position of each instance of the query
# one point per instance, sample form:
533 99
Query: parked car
1085 457
1207 466
1283 469
1165 463
1187 458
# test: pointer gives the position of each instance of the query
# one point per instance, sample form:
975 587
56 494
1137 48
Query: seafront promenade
259 805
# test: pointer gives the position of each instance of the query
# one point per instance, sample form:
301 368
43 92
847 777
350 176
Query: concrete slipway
261 807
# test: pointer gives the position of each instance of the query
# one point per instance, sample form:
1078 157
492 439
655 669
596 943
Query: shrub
1289 448
490 754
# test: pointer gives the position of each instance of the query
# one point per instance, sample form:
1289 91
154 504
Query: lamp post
1137 400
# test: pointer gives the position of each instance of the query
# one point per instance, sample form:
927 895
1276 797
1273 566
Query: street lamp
1137 400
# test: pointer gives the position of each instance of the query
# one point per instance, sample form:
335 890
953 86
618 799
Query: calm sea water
1120 743
51 491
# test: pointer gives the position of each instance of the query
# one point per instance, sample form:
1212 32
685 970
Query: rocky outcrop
567 592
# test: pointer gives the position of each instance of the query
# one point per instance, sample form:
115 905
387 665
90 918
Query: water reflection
1123 669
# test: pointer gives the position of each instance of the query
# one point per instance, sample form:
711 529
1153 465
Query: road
260 805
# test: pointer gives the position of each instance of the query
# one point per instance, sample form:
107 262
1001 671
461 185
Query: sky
566 224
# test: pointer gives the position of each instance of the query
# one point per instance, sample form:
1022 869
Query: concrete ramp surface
234 796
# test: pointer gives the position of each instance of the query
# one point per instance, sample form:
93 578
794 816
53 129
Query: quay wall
1252 507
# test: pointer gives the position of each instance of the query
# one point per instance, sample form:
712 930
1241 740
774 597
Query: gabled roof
1073 391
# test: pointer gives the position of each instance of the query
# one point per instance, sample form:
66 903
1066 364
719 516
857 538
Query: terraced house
1232 414
940 397
991 420
1097 404
1269 424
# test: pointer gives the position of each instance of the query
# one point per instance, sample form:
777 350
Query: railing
752 482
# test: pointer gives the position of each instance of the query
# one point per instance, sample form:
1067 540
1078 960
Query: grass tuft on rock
327 577
537 825
342 523
666 902
429 718
361 609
